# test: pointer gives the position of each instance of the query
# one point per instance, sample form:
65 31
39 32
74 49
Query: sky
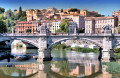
105 7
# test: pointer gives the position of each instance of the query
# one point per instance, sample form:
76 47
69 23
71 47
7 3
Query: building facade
55 26
87 13
117 14
33 14
95 24
23 26
76 18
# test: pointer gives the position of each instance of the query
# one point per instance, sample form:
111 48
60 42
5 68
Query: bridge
44 40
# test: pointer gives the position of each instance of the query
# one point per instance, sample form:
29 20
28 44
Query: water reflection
64 65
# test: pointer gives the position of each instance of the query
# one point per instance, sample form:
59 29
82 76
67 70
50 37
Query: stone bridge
43 41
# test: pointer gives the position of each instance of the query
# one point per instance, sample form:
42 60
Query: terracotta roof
24 22
98 18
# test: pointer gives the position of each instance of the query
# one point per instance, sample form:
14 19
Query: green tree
119 30
61 10
64 26
2 10
73 10
28 30
80 30
98 15
116 50
3 28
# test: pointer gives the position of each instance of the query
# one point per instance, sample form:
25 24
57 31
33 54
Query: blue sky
105 7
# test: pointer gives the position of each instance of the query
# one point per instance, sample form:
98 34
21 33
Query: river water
65 64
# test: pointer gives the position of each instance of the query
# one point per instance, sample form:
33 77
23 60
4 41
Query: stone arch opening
84 39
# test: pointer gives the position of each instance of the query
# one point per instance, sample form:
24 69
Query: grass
112 67
78 49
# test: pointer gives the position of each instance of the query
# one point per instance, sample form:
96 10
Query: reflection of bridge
44 41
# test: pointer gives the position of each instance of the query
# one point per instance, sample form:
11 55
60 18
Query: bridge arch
23 40
84 39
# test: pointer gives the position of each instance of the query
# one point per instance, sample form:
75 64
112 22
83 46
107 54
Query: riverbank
78 49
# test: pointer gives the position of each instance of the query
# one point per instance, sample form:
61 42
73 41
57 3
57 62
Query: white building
72 27
76 18
55 26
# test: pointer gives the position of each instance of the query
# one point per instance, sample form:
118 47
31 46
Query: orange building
85 12
27 27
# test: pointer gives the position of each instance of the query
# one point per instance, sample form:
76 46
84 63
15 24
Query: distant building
55 26
33 14
51 9
23 26
76 18
117 14
87 13
95 24
72 27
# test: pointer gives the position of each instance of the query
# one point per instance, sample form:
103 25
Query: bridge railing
56 34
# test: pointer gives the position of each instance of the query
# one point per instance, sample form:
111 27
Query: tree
2 10
98 15
20 9
116 50
9 14
64 26
119 30
28 30
3 28
80 30
61 10
73 10
15 10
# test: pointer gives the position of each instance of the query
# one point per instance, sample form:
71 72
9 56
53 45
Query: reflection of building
79 64
95 24
18 47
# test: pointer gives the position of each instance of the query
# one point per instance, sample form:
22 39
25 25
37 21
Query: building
72 27
33 14
87 13
55 26
23 26
95 24
117 14
51 9
76 18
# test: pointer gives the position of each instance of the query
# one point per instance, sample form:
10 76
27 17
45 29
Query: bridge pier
44 55
108 53
107 56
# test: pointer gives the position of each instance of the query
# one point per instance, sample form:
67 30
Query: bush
116 50
112 67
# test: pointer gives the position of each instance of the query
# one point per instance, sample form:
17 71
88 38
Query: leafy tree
2 10
98 15
1 17
64 26
119 30
116 50
8 24
28 30
9 14
73 10
80 30
15 10
20 9
61 10
3 28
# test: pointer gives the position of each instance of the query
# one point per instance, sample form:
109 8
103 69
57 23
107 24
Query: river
65 64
